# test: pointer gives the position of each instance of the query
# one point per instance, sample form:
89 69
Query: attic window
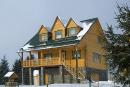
58 34
43 37
72 32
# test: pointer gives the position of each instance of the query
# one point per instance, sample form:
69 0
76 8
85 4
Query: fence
11 84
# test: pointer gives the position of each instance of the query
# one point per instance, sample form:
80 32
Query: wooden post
61 69
60 56
63 79
30 70
30 76
77 66
22 67
42 76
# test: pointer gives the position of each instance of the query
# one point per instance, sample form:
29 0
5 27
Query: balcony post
30 55
61 68
30 76
21 62
42 76
77 79
59 56
22 68
30 69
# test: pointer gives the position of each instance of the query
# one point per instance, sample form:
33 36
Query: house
66 53
11 79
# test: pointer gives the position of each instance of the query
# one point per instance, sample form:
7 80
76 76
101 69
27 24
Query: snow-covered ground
94 84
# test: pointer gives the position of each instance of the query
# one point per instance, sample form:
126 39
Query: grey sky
21 19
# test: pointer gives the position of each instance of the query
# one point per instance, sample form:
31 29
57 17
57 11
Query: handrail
41 62
72 71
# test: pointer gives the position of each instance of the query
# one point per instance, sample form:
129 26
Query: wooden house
66 53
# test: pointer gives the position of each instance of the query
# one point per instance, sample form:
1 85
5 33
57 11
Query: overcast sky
21 19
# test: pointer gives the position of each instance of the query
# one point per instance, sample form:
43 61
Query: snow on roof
9 74
86 27
27 46
85 24
48 47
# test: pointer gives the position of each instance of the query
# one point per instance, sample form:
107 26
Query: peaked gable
43 30
58 26
71 23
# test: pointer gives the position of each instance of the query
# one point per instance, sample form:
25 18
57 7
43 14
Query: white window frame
43 37
96 57
72 31
58 36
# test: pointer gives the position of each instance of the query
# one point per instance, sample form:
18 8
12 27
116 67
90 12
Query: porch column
42 76
22 67
62 73
30 76
30 69
60 56
77 65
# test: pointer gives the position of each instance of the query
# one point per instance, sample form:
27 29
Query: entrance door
63 56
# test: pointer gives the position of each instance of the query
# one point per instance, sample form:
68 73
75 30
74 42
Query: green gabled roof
35 43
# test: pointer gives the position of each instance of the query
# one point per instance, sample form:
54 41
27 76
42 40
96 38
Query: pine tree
17 69
4 68
118 46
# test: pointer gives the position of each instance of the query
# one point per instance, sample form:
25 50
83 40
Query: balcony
41 62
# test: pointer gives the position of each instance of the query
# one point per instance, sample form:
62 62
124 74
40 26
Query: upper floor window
43 37
96 57
76 54
72 32
58 34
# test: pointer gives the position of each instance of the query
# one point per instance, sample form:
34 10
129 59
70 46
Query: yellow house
65 53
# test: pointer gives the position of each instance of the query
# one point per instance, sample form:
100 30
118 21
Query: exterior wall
72 61
96 70
58 25
92 45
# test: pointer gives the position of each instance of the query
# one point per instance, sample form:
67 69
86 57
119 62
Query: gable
43 30
92 35
57 26
71 24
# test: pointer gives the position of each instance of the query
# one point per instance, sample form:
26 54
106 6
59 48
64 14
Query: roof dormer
43 34
58 29
72 28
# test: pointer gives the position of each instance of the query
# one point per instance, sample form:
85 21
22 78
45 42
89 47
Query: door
63 56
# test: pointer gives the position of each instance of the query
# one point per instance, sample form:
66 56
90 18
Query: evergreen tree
17 69
118 46
4 68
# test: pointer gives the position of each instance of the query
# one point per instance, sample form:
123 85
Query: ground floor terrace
58 65
59 74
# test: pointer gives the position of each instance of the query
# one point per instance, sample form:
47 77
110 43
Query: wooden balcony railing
41 62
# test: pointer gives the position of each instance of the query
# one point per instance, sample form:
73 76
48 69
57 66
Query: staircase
72 71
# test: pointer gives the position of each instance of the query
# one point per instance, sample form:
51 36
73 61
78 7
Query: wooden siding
91 44
58 25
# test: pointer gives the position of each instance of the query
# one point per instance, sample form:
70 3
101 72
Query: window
98 39
58 34
76 54
72 32
43 37
96 58
48 55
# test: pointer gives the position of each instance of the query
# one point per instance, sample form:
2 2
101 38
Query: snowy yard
95 84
